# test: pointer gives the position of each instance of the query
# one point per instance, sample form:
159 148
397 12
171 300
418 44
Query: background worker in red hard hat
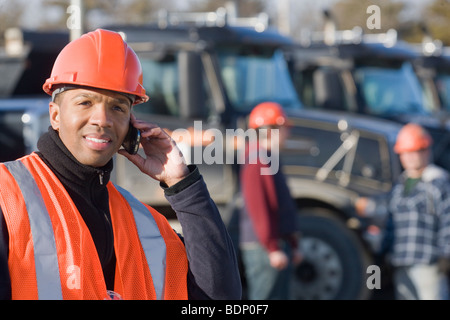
268 234
67 232
419 208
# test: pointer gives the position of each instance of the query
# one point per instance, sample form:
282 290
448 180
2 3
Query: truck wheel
334 261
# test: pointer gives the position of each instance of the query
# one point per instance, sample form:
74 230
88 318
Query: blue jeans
263 281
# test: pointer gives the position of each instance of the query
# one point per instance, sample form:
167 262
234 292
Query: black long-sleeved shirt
213 271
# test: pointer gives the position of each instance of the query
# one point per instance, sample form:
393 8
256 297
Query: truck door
181 102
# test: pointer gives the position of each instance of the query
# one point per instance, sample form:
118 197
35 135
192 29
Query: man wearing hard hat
419 209
67 232
268 233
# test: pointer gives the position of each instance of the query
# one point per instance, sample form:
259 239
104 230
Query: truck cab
367 74
212 76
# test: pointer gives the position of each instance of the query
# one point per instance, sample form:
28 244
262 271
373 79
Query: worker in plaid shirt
419 209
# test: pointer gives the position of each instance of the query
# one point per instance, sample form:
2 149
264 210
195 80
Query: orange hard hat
99 59
267 114
412 137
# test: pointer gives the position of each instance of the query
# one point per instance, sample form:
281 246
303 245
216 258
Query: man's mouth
97 143
97 140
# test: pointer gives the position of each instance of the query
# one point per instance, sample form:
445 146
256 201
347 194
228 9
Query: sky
33 15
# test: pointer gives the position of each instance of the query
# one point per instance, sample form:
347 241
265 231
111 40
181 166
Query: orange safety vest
52 254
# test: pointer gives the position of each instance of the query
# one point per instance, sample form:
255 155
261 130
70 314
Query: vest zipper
100 177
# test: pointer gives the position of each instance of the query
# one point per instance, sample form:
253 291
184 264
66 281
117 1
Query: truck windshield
255 74
389 91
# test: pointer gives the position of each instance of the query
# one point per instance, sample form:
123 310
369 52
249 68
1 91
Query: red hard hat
412 137
99 59
267 114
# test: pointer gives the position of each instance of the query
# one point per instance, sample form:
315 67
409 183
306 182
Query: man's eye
118 108
85 103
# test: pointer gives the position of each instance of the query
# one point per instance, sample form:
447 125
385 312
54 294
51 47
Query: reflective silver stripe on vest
45 256
151 240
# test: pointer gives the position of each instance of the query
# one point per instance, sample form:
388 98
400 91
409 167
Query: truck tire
334 261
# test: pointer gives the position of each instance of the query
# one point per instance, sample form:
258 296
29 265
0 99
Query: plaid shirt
421 218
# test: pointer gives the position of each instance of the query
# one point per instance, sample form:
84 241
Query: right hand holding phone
163 160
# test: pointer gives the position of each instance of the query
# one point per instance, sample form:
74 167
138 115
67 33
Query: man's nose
100 116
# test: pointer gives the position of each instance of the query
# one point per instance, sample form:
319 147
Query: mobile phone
132 140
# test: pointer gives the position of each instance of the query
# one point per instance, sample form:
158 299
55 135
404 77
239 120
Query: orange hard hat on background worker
267 114
412 137
108 63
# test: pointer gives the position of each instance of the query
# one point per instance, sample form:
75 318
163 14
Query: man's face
275 137
92 123
415 160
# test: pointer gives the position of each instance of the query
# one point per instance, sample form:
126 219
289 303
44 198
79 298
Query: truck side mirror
191 89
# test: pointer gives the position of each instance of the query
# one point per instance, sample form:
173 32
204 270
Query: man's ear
54 111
